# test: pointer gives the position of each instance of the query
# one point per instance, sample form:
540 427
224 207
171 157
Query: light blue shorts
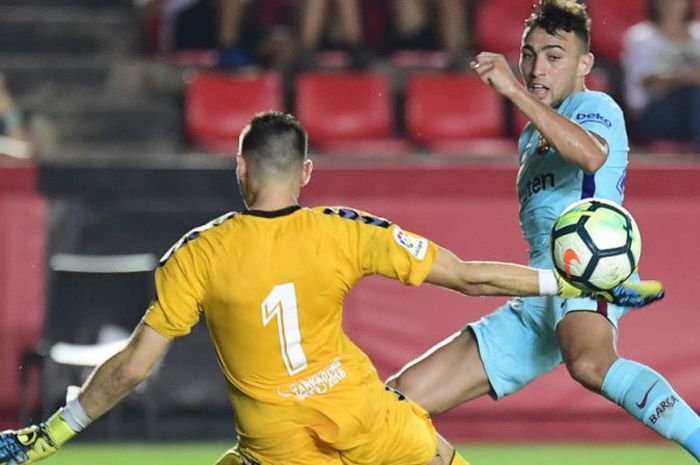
518 342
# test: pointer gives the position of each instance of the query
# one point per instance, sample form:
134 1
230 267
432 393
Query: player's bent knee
588 371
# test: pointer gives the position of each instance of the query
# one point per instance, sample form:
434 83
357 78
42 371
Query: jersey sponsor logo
665 404
350 214
416 246
593 118
535 185
317 383
570 255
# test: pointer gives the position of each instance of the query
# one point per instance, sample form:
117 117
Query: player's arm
477 278
107 385
575 144
119 375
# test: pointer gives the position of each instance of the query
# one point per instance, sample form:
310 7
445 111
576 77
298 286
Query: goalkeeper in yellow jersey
271 281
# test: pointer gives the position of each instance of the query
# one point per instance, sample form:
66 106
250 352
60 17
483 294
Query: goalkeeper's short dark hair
275 140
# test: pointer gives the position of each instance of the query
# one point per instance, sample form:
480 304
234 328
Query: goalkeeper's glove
625 294
29 445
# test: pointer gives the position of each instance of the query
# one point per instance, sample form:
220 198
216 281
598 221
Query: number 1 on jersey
281 303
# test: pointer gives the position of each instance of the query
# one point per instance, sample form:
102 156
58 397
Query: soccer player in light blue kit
574 147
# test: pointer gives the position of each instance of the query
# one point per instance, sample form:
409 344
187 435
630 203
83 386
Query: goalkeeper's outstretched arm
478 278
107 385
118 376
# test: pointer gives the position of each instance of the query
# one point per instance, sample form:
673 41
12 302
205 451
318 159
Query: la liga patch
416 245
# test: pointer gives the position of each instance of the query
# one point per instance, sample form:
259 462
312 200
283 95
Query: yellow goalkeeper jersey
271 286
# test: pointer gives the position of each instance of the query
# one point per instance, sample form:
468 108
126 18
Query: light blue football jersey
518 342
547 183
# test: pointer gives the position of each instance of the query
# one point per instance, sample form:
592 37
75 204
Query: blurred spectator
661 62
256 32
341 20
13 138
245 32
162 17
442 22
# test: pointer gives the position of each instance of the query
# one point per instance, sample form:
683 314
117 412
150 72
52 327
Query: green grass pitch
477 454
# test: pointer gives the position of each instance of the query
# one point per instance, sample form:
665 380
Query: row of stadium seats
355 112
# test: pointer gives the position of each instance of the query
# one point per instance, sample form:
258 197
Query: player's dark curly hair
276 140
561 15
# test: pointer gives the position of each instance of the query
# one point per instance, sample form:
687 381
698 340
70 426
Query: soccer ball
595 244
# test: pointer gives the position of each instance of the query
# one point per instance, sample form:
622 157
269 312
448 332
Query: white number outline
281 304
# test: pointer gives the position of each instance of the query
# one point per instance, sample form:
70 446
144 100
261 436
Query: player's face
553 66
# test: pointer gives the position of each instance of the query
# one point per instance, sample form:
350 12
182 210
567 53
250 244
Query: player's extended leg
588 345
446 454
455 358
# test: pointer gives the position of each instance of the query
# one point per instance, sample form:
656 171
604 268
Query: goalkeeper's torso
271 286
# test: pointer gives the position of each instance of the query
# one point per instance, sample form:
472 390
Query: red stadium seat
610 20
218 106
498 26
348 113
455 113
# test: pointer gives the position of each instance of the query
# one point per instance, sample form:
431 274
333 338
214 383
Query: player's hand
493 69
566 289
626 294
34 443
633 294
25 446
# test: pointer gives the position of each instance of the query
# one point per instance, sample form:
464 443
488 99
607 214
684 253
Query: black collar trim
273 213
